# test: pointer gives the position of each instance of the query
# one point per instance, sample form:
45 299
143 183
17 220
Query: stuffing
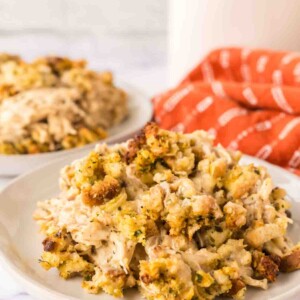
235 215
291 262
166 278
240 180
55 103
265 266
101 191
263 233
112 282
170 214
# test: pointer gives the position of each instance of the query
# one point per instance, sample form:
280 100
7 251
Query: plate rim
34 288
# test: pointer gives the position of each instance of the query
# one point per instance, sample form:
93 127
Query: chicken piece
263 284
178 243
133 185
280 246
266 189
116 252
201 259
204 180
255 208
257 237
215 236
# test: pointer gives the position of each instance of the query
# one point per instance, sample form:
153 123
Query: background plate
140 112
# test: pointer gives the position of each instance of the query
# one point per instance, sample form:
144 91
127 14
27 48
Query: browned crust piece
49 244
237 285
113 273
101 191
7 90
140 140
151 129
4 57
133 147
291 262
61 64
266 266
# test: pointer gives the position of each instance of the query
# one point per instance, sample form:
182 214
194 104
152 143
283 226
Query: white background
125 36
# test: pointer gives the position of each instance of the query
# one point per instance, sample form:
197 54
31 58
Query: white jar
198 26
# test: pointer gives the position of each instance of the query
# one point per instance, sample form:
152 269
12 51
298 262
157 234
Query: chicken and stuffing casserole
171 214
55 103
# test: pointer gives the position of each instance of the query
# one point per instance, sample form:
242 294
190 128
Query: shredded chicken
55 103
171 214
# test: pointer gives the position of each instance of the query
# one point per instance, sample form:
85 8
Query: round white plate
140 112
20 243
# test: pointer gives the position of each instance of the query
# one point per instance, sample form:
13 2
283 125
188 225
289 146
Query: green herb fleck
199 278
43 261
88 277
137 233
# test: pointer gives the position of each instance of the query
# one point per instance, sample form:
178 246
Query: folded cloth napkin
248 99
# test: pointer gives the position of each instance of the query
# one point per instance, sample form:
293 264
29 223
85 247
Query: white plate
140 112
20 243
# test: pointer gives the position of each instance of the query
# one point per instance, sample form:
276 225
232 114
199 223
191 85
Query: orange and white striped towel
248 99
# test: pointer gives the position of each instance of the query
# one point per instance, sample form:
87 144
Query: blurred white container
198 26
